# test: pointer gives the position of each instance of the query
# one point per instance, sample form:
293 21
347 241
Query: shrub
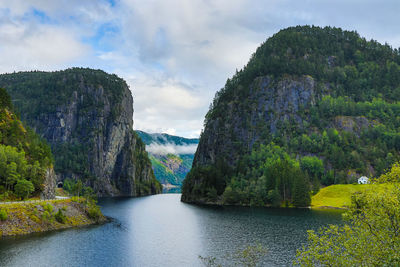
60 216
3 215
46 216
93 211
48 207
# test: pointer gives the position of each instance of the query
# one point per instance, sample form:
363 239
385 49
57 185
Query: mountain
26 162
86 116
313 106
171 156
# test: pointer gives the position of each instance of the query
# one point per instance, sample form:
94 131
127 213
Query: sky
174 54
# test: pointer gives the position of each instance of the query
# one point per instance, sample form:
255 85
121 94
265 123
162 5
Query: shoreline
27 218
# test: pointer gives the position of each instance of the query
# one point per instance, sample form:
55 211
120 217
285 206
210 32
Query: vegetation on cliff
88 123
327 99
24 156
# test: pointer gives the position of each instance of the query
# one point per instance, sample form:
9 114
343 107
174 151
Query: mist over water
161 231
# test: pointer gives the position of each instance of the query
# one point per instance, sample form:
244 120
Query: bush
60 216
48 207
46 216
3 215
93 211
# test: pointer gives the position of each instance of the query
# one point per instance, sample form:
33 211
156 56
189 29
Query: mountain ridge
318 103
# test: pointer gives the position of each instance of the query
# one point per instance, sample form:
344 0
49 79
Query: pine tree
301 191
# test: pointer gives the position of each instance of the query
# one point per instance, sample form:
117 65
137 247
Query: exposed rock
272 102
89 127
49 185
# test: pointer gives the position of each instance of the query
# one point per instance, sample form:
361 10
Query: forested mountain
313 106
171 156
86 116
25 159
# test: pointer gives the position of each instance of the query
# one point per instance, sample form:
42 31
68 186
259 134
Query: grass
339 195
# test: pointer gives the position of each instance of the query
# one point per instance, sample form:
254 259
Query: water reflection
162 231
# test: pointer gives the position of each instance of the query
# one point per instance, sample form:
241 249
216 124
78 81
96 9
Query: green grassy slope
339 195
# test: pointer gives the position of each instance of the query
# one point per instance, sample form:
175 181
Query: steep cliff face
86 116
321 103
270 103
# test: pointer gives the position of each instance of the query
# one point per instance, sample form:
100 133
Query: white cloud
165 149
174 54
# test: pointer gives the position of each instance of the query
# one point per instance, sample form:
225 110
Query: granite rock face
87 119
271 101
49 185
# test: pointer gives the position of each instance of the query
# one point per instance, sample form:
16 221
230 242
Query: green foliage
143 162
60 216
370 236
268 176
93 210
31 92
24 188
350 127
5 99
76 188
24 157
3 215
301 192
48 207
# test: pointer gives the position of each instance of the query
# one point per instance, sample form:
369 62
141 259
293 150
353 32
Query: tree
77 188
11 175
301 191
370 236
23 188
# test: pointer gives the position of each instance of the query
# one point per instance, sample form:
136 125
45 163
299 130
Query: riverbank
339 196
30 217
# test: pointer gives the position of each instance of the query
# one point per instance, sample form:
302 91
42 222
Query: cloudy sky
174 54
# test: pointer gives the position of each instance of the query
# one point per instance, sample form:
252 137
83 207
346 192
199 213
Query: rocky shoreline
26 218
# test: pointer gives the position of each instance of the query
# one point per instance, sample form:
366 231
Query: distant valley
171 156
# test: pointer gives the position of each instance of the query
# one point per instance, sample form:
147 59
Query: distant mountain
171 156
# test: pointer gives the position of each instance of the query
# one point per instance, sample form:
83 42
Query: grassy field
339 196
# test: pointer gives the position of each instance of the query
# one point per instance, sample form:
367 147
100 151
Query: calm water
161 231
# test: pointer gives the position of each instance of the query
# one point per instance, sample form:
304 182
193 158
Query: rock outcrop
49 185
271 102
86 116
318 94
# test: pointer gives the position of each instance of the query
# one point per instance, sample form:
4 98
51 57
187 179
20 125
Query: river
162 231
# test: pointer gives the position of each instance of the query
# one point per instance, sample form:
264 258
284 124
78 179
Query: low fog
164 149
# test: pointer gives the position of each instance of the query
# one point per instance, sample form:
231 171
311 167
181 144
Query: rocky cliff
272 102
86 116
320 103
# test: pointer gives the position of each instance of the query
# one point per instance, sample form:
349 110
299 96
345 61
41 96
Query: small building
363 180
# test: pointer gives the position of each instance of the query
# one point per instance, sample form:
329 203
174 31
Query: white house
363 180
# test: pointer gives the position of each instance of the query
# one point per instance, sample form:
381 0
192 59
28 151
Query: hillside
339 195
171 156
313 106
25 159
86 116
